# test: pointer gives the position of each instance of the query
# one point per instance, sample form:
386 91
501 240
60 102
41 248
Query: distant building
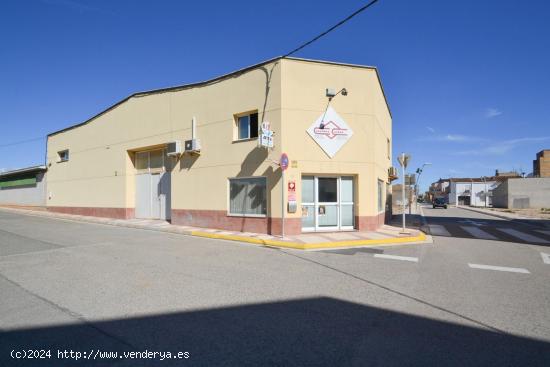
506 174
472 191
439 189
522 193
469 191
541 165
25 186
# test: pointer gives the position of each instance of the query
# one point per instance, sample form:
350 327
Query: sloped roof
18 171
220 78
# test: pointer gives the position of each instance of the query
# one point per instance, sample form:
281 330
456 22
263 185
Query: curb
425 225
420 238
487 213
531 222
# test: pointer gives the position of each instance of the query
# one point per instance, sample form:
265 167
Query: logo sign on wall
330 131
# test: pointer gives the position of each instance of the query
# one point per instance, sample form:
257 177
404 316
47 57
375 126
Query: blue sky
468 81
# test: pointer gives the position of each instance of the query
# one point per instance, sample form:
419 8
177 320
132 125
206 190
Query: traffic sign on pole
283 162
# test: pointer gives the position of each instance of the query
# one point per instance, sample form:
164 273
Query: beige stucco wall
365 111
100 172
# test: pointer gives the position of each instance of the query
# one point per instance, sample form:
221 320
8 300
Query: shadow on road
315 332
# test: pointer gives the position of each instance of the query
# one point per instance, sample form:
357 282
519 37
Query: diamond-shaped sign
330 131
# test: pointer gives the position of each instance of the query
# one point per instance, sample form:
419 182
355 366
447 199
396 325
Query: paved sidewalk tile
343 236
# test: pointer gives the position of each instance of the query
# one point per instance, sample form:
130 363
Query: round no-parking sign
284 161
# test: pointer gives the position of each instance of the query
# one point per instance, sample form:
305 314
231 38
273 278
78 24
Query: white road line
522 236
545 258
438 230
499 268
394 257
478 233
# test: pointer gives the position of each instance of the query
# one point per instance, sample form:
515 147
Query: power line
21 142
332 28
358 11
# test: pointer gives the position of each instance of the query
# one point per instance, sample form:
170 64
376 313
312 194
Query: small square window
63 155
247 126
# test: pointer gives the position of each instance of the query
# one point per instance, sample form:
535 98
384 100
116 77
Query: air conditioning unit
173 149
193 146
392 173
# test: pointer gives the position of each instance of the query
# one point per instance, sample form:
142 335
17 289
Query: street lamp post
417 183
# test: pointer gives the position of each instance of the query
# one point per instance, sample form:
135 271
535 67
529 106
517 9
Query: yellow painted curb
310 246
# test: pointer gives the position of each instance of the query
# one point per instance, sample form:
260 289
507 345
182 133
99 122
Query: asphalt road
474 297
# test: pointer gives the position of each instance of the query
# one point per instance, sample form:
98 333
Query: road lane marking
394 257
522 236
545 258
471 222
499 268
478 233
438 230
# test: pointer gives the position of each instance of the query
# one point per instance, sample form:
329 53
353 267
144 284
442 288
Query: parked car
439 203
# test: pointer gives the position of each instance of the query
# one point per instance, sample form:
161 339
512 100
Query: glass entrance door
327 203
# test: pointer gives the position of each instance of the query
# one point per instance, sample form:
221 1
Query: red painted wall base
117 213
218 219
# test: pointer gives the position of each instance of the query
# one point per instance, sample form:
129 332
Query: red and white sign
292 191
330 132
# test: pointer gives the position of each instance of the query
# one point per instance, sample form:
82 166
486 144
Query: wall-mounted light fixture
329 92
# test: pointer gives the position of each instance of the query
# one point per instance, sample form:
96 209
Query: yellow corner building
193 154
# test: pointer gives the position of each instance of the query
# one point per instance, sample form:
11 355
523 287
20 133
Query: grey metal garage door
152 185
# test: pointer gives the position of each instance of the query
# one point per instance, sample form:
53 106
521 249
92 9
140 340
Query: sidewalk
384 236
539 222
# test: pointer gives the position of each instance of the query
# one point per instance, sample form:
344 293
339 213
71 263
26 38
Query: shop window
247 196
380 196
346 201
63 155
247 126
